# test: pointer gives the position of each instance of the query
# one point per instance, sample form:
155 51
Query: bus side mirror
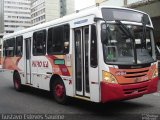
104 33
104 37
145 19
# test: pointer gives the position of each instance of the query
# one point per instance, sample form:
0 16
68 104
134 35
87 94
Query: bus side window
58 40
9 47
39 43
93 56
19 46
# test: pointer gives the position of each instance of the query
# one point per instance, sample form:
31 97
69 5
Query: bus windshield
120 49
110 14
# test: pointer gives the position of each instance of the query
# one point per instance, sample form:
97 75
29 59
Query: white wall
16 14
70 4
133 1
118 2
52 9
1 17
113 3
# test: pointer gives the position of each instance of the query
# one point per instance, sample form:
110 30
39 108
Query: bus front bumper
113 92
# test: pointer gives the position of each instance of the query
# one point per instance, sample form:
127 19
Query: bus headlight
108 77
155 73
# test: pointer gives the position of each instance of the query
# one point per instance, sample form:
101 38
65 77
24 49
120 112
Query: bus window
58 40
9 47
39 43
93 58
19 46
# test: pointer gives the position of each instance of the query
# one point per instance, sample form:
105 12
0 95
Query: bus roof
82 13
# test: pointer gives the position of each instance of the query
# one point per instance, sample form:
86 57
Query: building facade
47 10
117 3
1 17
70 6
113 3
1 21
16 15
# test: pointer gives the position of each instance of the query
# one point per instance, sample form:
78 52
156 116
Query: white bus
0 58
101 54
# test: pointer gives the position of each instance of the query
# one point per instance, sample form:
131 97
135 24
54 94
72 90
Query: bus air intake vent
136 74
135 90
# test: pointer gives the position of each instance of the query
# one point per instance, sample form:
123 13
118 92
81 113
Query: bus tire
59 92
17 81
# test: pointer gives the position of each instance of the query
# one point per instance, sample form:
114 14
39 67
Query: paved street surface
33 101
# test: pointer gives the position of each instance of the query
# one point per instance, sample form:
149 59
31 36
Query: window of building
39 43
58 40
9 31
19 46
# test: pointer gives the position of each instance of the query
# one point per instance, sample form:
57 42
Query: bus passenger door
81 36
28 60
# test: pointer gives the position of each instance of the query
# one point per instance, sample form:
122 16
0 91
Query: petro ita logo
43 64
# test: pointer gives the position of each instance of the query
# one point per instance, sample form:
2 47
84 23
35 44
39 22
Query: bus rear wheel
17 81
59 92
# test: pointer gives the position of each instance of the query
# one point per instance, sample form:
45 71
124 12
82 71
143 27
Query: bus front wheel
17 81
59 92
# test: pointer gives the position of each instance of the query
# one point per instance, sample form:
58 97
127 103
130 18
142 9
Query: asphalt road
33 101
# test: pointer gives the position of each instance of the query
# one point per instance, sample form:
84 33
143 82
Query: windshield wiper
130 35
108 32
125 29
144 32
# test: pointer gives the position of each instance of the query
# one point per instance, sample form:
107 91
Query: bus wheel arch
17 81
57 89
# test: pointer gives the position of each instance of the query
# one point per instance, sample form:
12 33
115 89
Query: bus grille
135 90
136 74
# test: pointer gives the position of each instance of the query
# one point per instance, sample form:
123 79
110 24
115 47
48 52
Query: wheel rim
16 83
59 90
